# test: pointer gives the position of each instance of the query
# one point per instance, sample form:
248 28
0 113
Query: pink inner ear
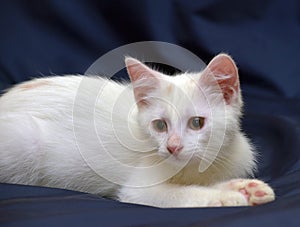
144 80
224 70
135 68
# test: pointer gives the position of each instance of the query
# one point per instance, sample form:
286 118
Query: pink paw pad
252 185
244 192
260 193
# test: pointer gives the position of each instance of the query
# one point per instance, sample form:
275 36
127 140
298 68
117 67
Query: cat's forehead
182 95
185 83
185 87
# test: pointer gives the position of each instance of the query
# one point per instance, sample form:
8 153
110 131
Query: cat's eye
196 123
160 125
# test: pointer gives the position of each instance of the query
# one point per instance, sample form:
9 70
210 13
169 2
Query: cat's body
46 138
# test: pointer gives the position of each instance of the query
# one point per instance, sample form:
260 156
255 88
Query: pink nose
174 149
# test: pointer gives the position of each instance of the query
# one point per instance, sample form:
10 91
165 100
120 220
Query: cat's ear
144 80
223 70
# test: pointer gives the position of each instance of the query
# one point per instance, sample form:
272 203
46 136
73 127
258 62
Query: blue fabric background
65 37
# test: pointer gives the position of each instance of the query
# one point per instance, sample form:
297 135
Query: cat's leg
256 191
169 195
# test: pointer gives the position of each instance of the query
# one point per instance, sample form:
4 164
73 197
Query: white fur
38 144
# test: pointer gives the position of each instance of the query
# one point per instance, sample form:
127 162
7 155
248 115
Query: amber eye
196 123
160 125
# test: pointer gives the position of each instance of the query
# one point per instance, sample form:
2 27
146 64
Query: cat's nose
174 149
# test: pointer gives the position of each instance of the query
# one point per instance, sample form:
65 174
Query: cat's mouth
183 156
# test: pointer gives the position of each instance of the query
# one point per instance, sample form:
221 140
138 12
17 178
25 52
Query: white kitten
162 141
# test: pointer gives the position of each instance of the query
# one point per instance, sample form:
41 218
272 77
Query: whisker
219 163
156 158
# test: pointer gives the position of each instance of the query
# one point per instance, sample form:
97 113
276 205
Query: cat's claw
256 191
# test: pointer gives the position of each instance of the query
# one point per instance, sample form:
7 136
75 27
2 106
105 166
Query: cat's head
190 113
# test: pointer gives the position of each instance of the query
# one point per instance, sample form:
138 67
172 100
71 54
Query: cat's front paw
255 191
213 198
